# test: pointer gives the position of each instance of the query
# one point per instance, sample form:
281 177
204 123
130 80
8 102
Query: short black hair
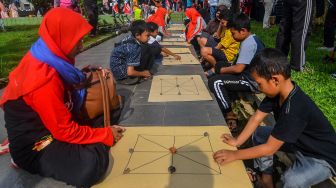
225 14
269 62
240 21
138 27
151 26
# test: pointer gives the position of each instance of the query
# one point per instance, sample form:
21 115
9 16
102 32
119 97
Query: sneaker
13 164
329 49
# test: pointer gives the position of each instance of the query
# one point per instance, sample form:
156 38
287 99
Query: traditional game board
186 59
176 34
173 157
174 39
175 43
176 28
167 88
180 50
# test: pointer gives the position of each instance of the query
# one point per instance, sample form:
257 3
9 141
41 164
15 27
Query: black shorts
218 55
211 42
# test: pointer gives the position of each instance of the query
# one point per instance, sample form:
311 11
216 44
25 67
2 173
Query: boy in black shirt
301 128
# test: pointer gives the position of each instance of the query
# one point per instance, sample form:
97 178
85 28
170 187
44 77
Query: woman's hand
117 132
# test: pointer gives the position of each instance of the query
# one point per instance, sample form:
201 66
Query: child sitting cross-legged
127 62
300 128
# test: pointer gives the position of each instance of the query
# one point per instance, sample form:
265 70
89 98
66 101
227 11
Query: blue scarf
69 73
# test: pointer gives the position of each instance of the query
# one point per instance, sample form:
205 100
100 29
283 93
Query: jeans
213 10
304 172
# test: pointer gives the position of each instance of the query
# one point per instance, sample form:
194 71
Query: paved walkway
137 112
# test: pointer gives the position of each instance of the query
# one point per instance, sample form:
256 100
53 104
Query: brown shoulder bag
101 96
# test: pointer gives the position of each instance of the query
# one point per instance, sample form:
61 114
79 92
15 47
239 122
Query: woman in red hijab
40 102
196 24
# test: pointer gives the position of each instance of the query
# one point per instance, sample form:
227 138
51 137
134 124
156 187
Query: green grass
14 43
315 80
21 33
22 21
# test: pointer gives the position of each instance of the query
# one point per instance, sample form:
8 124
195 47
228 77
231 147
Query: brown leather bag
101 96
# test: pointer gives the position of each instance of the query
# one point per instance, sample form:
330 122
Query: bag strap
105 99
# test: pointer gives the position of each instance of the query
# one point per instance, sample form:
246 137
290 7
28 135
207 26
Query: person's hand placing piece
146 75
223 156
177 57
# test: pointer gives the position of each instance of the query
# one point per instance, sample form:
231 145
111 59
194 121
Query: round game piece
206 134
179 93
131 150
177 85
172 150
127 171
171 169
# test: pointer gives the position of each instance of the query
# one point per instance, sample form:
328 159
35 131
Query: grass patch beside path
21 33
14 43
315 80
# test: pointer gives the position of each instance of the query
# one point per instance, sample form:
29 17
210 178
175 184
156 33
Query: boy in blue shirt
126 61
301 128
236 78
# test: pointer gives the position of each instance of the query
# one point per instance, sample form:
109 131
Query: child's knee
291 180
205 52
261 135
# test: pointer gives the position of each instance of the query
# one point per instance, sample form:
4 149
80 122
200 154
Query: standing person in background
3 12
92 14
160 18
56 3
137 13
268 4
294 31
329 27
14 10
213 8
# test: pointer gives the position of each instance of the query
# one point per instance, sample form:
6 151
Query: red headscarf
61 29
193 15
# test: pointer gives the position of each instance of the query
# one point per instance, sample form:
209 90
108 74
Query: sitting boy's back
125 53
126 61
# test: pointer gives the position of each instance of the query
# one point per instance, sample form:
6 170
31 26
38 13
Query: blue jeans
213 10
304 172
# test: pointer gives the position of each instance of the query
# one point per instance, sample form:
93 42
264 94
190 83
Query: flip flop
210 73
4 147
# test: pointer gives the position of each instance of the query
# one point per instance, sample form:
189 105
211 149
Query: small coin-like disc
127 171
171 169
